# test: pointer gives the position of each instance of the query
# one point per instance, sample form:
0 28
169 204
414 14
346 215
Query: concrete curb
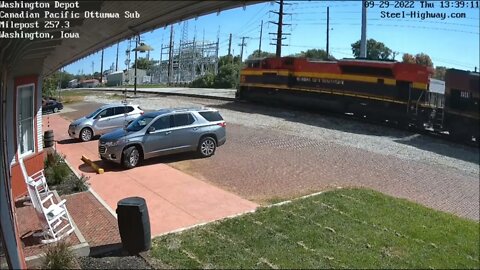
241 214
90 189
102 202
205 223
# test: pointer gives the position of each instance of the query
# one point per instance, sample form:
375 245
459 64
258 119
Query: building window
25 116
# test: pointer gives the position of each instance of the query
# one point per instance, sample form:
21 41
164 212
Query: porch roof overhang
96 34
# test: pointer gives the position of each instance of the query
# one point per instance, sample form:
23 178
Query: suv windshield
94 113
140 123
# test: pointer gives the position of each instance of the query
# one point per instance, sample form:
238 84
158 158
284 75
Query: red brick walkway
95 222
97 225
28 223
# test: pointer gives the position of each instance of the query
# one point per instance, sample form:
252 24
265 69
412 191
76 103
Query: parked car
164 132
105 119
51 105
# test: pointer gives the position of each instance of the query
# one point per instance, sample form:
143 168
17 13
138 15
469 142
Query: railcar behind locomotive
461 110
378 90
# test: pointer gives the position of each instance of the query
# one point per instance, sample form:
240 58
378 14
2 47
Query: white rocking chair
38 179
54 217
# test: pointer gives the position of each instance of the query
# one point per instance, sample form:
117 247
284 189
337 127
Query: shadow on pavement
442 147
69 141
114 167
106 166
109 250
170 158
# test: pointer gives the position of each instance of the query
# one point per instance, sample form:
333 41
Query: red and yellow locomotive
379 90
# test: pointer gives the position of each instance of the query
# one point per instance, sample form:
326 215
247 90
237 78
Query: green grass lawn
347 228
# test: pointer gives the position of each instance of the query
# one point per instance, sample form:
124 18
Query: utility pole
229 44
363 40
137 40
241 51
278 51
328 32
170 56
279 33
260 42
116 61
216 50
101 69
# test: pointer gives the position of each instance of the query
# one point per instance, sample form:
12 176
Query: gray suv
164 132
105 119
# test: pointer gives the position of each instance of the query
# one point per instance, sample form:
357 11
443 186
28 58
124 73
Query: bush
59 256
206 81
80 184
56 170
227 76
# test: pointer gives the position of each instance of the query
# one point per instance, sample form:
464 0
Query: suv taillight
223 124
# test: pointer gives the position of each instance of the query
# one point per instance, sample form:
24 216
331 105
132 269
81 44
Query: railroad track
426 132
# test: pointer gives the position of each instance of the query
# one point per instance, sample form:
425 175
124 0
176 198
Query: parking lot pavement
260 164
175 200
275 153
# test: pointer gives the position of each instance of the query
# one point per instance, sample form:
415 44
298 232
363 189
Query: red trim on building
34 161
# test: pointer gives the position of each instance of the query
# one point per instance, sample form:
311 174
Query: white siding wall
39 129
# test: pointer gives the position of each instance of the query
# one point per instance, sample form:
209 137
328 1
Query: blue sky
452 42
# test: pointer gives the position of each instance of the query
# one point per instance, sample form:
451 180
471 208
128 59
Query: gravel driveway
274 153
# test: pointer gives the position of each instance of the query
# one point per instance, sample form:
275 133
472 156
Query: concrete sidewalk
175 200
223 94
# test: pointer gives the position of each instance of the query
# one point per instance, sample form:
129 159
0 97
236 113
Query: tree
50 85
315 54
419 58
439 73
408 58
227 76
228 59
375 50
423 59
144 63
260 54
56 80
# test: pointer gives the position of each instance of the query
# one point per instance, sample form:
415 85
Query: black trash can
134 224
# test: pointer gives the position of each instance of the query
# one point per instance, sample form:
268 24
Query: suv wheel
131 157
55 109
207 146
86 134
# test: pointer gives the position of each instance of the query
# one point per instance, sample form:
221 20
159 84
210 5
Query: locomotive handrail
418 101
